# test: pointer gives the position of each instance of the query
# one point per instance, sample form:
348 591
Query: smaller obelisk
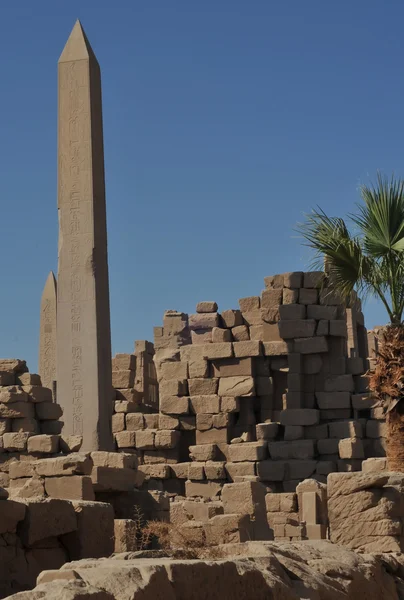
47 333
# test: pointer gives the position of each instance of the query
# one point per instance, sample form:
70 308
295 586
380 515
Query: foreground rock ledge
260 570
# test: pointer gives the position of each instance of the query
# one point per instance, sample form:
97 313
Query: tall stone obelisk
47 334
84 378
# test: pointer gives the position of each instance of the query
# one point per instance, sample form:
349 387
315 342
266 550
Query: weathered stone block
351 448
240 333
212 436
220 335
205 489
249 303
247 348
330 400
236 386
48 411
44 444
46 518
174 405
267 431
203 321
271 470
293 312
248 451
213 351
302 449
15 441
125 439
205 404
74 487
311 345
232 367
232 318
167 439
202 386
206 307
271 298
94 537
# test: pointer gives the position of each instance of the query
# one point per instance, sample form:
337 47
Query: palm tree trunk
395 438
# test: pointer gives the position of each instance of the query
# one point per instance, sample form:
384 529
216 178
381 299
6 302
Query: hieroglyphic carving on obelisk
84 380
47 333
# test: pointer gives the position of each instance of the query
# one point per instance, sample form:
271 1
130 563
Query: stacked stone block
29 419
366 511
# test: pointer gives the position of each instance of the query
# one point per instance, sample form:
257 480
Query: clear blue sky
224 122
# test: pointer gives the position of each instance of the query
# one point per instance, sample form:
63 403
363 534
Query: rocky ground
259 570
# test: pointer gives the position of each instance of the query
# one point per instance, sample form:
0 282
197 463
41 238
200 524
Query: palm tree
369 259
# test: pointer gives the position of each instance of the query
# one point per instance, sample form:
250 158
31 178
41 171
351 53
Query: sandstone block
174 405
118 422
196 471
202 386
311 345
174 387
240 333
206 307
240 469
252 318
198 368
229 529
212 436
125 439
94 536
243 498
15 441
293 280
174 370
125 406
114 460
271 298
269 315
25 426
290 296
338 328
316 432
276 348
236 386
232 318
229 404
204 421
267 431
44 444
345 429
187 423
201 337
213 351
302 449
74 487
292 312
134 421
48 411
214 470
204 489
328 446
124 362
271 470
247 348
232 367
328 313
167 439
73 464
123 379
274 281
145 439
37 393
250 303
376 429
125 535
46 518
330 400
109 479
300 416
351 448
293 432
203 321
205 404
17 410
313 279
308 296
203 452
221 420
220 335
10 515
168 422
248 451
